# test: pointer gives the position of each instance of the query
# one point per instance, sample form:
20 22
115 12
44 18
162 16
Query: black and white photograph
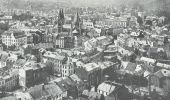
84 49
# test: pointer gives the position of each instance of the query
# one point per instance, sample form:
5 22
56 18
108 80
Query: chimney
43 87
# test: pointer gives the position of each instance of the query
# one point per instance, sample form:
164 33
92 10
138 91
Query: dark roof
16 33
19 34
38 92
53 89
153 50
3 57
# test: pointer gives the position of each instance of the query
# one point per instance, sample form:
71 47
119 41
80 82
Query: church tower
60 20
76 24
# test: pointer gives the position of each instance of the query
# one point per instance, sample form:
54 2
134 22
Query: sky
87 2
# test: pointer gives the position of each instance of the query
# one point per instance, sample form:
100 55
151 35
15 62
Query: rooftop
54 55
91 66
106 87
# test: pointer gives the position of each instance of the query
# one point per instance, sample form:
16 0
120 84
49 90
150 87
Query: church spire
60 20
76 23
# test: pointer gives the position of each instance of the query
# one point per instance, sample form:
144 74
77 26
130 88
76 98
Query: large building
90 73
14 38
8 80
31 74
62 63
64 40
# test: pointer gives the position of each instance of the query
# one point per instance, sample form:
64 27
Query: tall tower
77 23
60 20
28 5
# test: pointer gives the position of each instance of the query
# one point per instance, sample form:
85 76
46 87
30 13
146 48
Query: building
61 21
88 24
90 73
23 96
14 38
110 53
55 91
9 80
31 74
77 25
62 63
64 40
105 88
116 22
38 92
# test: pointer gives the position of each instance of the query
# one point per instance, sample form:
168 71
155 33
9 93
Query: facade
31 74
62 63
90 72
64 41
105 88
88 24
9 80
11 38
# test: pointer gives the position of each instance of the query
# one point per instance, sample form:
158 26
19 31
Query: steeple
77 23
62 14
77 20
60 20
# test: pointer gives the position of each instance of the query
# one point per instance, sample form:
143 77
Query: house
9 80
14 38
86 95
108 68
90 44
110 53
62 63
161 79
38 92
55 91
32 73
88 24
64 40
19 63
148 60
90 72
105 89
23 96
132 68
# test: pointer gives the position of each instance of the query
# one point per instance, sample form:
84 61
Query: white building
105 89
17 38
88 24
62 63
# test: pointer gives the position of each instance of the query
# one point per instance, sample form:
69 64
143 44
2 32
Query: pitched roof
162 73
75 78
106 87
37 92
53 89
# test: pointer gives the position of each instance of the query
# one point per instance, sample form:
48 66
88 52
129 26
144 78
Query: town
83 53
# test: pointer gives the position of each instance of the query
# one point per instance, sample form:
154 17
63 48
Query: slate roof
38 92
